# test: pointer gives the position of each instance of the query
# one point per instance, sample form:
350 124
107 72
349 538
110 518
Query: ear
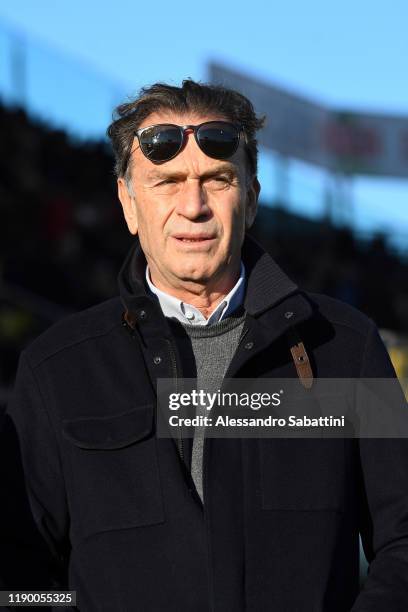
128 204
253 192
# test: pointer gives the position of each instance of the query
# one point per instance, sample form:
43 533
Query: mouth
198 243
200 238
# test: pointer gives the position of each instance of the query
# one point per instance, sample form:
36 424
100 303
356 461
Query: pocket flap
110 432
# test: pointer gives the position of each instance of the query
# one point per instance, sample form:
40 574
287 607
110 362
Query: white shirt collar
187 313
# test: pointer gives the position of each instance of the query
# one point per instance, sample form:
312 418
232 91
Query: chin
195 275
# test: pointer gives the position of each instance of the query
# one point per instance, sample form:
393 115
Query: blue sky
86 55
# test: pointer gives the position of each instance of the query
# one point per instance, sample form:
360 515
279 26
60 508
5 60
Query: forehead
188 118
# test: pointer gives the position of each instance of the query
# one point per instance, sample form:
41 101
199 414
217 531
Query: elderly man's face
188 197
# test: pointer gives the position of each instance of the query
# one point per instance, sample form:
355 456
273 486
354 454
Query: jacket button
142 314
249 345
289 314
157 359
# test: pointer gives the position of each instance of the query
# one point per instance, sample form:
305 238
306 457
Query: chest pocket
114 480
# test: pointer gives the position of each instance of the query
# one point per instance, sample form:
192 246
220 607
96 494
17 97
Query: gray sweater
213 347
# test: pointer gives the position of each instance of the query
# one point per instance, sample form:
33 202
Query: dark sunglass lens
219 140
160 143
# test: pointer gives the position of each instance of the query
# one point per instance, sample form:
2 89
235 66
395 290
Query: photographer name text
269 421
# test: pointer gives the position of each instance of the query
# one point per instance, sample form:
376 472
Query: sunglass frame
182 129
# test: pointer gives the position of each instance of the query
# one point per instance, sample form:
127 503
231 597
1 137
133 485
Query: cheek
230 210
238 216
151 219
146 229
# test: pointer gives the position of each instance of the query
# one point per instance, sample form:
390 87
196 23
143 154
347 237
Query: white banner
345 141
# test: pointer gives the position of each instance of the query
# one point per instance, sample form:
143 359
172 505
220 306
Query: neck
203 296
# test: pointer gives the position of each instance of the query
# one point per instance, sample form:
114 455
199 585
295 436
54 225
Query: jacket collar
267 287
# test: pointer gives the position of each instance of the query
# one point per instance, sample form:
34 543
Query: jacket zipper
180 441
245 331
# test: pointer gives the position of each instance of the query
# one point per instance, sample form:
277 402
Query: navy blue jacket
94 501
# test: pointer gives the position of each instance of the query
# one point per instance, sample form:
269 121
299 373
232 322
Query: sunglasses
161 142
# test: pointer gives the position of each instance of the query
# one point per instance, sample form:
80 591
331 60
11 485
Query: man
133 521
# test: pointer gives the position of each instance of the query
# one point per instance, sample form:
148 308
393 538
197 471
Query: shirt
187 313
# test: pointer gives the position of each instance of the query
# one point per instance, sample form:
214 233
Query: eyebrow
222 169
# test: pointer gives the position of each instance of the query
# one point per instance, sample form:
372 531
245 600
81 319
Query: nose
192 200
